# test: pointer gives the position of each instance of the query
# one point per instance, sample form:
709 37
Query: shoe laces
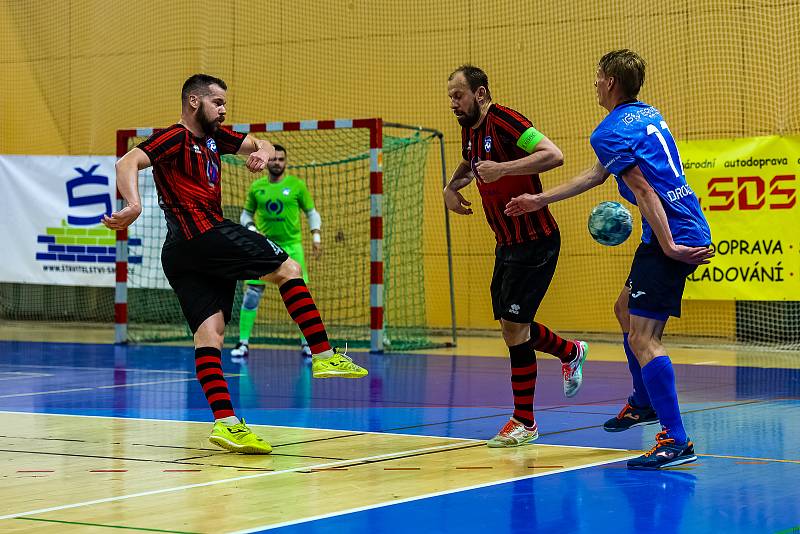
661 439
566 371
509 428
343 353
624 410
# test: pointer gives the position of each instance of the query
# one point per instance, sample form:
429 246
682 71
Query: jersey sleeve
250 201
304 200
612 150
519 128
228 141
464 144
163 145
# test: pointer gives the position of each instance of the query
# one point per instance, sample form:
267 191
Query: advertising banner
748 190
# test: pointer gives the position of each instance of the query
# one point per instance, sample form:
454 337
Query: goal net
369 282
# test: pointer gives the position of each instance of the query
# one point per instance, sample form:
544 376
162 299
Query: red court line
476 467
402 468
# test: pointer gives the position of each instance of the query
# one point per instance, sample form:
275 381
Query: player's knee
252 296
290 269
211 333
515 333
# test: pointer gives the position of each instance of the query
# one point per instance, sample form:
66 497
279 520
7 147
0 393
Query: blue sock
660 380
640 397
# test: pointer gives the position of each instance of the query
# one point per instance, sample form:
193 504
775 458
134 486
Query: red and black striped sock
545 340
301 307
523 381
208 365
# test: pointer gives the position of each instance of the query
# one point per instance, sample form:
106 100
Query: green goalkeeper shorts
295 251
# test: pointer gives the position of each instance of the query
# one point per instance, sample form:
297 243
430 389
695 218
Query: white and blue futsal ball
610 223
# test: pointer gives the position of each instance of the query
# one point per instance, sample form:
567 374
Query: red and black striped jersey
187 173
495 139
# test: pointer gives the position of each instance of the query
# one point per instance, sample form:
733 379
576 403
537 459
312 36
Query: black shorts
203 271
522 274
656 283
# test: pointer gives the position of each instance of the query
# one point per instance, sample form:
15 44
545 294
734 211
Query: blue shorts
656 283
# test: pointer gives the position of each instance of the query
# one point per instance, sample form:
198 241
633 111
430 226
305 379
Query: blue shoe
630 416
665 453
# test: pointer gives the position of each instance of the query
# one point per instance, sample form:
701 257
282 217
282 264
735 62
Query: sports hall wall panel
76 71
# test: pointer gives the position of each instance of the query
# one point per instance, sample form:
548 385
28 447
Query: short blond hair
625 66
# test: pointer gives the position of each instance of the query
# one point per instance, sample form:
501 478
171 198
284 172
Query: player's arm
246 220
315 225
461 178
544 155
588 179
259 151
653 211
127 170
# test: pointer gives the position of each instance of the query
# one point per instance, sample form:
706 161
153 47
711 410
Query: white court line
705 363
425 496
33 393
354 432
454 446
226 480
21 375
96 368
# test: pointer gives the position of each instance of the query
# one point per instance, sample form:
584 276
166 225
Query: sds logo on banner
752 193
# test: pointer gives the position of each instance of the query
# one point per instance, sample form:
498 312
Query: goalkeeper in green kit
273 209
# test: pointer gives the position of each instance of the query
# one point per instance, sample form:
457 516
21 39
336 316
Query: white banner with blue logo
51 208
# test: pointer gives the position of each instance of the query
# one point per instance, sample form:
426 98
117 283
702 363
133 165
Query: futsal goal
367 180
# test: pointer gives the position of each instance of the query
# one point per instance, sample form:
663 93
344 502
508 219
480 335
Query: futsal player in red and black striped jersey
504 153
205 254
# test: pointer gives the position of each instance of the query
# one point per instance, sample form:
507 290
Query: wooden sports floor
97 438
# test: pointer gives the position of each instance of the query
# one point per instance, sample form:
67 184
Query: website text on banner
748 190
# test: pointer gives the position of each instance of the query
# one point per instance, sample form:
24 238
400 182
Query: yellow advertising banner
748 190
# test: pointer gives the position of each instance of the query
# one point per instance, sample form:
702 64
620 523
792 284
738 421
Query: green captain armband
529 139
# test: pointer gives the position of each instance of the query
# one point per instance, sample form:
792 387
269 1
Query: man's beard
209 126
471 118
275 172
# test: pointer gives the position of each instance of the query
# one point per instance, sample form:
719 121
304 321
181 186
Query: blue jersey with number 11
635 133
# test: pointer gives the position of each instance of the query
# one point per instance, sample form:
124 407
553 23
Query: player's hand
523 204
316 250
690 255
455 201
120 220
489 171
257 161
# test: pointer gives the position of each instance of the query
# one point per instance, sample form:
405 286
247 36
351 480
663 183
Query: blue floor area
751 415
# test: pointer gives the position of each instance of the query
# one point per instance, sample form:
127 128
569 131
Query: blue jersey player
634 144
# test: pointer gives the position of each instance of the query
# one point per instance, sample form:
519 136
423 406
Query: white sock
229 421
325 354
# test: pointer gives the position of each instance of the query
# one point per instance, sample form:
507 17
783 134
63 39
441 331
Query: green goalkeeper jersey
276 208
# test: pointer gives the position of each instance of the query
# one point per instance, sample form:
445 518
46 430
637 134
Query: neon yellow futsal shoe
340 365
238 438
